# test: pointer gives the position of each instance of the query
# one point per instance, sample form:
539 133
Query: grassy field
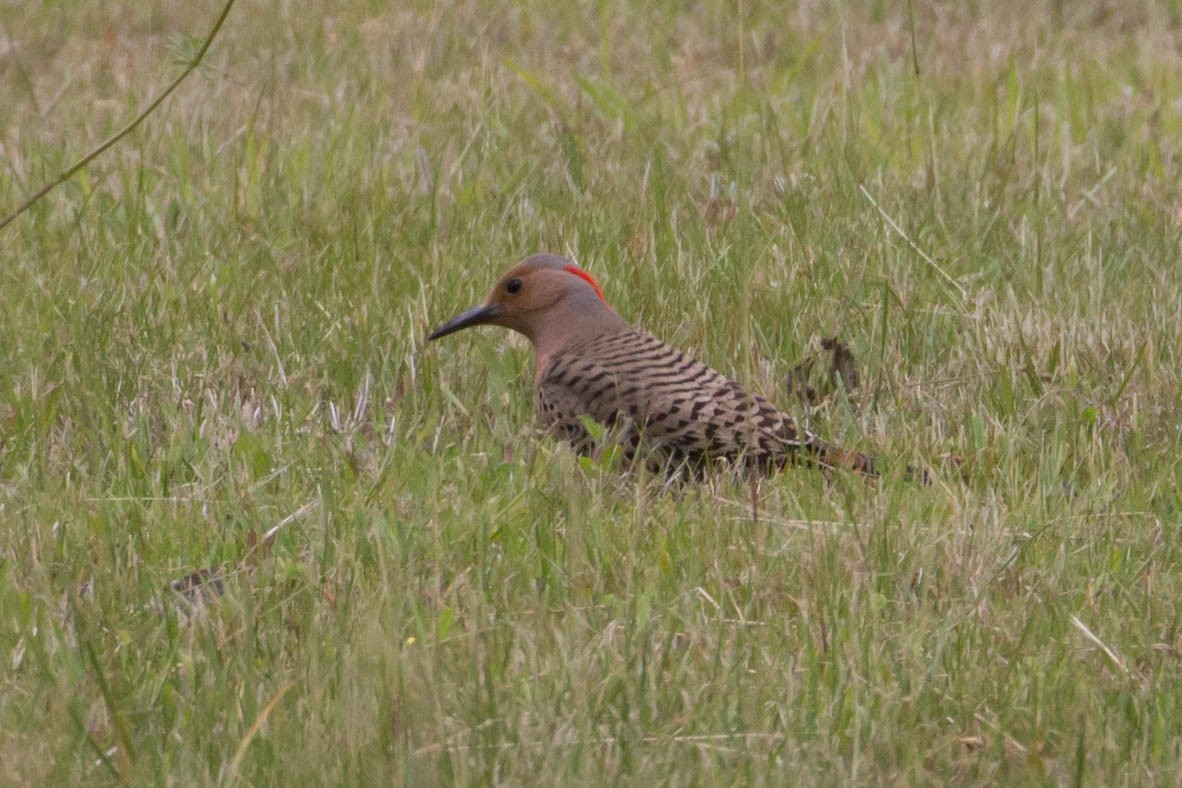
213 357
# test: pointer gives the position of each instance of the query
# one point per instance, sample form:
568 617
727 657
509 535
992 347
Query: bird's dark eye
513 285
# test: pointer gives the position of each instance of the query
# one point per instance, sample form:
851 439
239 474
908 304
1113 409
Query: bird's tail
827 455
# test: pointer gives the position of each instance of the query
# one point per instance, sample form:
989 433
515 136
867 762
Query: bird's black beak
475 316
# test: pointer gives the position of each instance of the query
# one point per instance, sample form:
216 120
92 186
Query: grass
219 328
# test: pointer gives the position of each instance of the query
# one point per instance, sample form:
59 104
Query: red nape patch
579 272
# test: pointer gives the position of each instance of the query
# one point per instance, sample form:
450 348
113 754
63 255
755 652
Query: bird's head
543 294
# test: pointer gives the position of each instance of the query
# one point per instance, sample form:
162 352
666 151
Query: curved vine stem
123 132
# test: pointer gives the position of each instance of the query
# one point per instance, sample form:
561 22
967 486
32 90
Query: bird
653 399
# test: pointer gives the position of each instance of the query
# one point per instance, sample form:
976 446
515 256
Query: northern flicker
590 362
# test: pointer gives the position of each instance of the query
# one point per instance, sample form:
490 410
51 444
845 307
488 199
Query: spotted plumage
591 363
